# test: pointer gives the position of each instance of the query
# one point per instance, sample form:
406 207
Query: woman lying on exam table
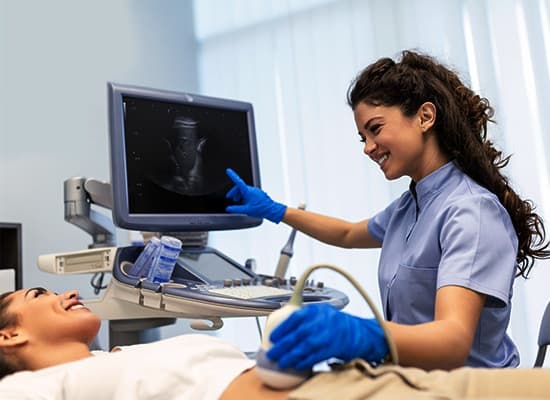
44 351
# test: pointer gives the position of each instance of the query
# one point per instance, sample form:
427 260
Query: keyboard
251 292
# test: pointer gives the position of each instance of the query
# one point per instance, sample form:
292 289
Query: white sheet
184 367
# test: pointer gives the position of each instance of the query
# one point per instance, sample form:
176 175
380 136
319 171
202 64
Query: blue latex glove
254 201
318 332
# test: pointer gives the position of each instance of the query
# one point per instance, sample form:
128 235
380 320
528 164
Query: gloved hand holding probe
254 202
320 331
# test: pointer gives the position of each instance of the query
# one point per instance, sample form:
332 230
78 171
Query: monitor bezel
121 214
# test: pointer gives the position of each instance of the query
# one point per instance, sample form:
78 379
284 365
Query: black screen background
151 169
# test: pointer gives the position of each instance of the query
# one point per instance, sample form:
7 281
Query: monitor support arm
79 194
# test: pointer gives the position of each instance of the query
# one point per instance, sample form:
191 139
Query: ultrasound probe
287 251
268 371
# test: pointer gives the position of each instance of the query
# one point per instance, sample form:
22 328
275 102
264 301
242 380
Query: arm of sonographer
254 202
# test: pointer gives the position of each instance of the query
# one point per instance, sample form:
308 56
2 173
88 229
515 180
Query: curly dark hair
461 131
7 320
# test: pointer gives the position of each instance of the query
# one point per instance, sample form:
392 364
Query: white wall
55 59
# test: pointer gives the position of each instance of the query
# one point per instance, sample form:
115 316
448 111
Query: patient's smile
76 307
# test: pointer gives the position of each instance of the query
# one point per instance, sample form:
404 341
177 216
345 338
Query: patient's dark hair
461 131
7 320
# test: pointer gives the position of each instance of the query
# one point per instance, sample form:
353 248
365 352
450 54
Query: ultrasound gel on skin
165 262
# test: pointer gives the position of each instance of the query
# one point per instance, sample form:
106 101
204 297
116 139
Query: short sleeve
478 248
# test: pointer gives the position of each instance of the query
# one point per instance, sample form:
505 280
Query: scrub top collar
423 190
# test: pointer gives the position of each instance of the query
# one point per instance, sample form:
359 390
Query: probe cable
297 300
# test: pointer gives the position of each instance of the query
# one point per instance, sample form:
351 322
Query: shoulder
404 201
467 194
44 384
460 191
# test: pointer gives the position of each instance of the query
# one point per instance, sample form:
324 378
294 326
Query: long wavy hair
461 131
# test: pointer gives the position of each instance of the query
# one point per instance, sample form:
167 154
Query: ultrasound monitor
169 152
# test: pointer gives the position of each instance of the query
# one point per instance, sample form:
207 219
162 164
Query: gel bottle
146 258
165 262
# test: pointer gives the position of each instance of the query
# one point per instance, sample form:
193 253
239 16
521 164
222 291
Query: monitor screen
169 152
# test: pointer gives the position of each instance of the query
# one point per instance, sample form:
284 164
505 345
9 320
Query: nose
70 294
369 147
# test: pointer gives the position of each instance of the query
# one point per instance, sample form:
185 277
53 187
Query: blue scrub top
449 230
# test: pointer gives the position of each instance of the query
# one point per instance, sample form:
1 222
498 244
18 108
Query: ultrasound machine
169 152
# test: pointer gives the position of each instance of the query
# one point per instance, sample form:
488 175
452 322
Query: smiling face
400 145
51 318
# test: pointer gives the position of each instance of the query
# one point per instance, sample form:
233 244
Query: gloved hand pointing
254 201
318 332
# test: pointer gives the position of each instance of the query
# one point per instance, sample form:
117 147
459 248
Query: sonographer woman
451 245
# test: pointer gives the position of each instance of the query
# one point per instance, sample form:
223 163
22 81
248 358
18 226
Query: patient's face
47 316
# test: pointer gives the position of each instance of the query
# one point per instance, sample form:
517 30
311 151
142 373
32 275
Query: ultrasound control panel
213 283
